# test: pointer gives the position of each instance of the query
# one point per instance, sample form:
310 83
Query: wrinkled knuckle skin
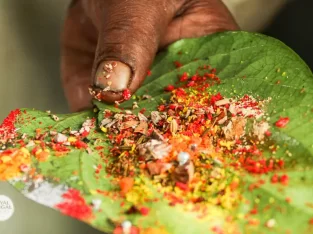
211 15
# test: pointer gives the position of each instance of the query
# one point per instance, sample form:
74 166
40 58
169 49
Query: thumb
129 33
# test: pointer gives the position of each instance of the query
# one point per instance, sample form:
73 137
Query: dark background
293 26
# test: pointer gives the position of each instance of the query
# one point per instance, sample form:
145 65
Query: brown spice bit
41 137
127 142
154 149
155 168
129 124
235 128
184 173
157 135
142 128
171 112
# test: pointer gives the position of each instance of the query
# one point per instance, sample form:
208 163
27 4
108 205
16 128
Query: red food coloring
254 211
183 77
34 150
172 106
281 163
182 186
161 108
126 94
282 122
284 179
99 147
144 211
311 221
169 88
180 92
216 98
194 78
59 148
85 134
74 205
178 64
143 110
274 179
149 73
80 145
259 166
268 133
7 128
191 84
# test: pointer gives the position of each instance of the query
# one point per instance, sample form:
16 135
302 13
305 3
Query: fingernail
112 76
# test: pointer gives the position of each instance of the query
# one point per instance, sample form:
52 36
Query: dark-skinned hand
126 35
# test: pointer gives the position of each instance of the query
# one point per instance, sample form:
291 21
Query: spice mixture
193 148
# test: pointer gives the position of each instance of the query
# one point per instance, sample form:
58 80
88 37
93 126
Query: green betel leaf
92 166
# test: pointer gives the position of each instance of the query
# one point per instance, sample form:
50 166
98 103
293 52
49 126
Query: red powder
282 122
274 178
126 94
169 88
80 145
7 128
144 211
74 205
284 179
178 64
182 186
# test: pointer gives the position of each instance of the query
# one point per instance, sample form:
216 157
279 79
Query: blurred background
30 75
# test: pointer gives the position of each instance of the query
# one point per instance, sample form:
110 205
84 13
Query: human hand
127 34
